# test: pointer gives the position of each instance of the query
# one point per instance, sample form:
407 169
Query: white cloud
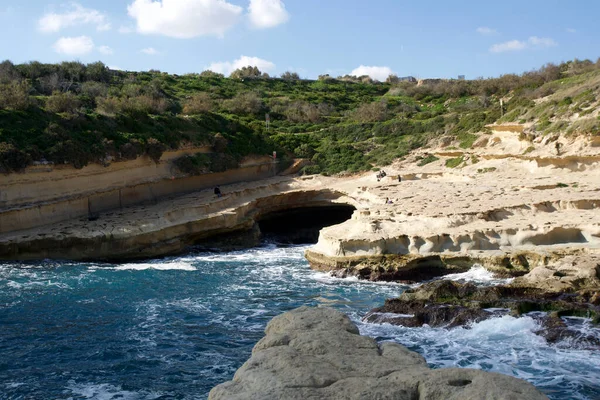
115 68
484 30
76 15
184 19
541 42
151 51
74 46
107 51
533 42
227 67
267 13
377 73
512 45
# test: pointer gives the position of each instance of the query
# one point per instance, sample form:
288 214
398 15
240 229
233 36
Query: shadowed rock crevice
302 225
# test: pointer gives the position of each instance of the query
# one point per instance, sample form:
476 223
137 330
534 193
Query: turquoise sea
173 328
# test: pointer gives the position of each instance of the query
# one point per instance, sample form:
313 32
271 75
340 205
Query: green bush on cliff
76 113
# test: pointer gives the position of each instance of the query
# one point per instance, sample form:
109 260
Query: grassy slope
343 138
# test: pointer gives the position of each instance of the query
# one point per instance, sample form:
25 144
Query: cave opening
302 225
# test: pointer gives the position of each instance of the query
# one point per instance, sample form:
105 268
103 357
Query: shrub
94 89
155 149
454 162
69 151
14 96
62 103
199 103
371 112
211 74
131 150
302 111
244 103
12 159
193 165
220 143
427 160
108 106
144 104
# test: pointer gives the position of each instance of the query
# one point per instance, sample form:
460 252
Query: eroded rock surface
450 304
317 353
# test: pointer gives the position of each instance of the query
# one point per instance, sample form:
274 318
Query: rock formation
317 353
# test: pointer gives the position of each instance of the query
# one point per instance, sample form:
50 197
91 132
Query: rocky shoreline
318 353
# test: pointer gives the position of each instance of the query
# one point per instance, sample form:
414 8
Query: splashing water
176 327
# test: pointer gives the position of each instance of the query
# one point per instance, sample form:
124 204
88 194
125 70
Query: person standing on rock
218 191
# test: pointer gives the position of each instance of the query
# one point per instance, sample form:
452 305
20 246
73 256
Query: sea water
173 328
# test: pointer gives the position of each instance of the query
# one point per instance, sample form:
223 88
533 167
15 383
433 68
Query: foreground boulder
318 353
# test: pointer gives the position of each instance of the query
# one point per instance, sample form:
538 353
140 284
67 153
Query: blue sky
424 38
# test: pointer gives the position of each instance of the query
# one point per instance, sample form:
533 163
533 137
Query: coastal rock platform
318 353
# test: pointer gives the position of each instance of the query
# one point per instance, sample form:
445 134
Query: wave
478 274
161 266
504 344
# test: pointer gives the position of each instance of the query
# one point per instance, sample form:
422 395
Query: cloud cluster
228 67
377 73
151 51
267 13
74 46
184 19
484 30
79 46
76 15
533 42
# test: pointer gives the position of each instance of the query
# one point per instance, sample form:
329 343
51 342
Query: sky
425 39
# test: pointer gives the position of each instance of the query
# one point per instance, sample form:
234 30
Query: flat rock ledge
318 353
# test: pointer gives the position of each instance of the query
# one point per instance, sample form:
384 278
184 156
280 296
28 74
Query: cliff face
45 195
165 227
317 353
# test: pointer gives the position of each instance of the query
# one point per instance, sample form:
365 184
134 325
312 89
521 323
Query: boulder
318 353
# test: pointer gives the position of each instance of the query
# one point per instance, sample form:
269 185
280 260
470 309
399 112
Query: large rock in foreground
318 353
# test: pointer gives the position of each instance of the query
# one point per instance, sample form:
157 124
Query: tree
393 79
97 72
290 76
249 72
14 96
8 72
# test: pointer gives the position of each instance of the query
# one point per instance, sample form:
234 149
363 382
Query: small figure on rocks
218 192
388 201
557 145
399 178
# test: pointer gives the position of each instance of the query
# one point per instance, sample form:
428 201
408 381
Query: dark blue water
174 328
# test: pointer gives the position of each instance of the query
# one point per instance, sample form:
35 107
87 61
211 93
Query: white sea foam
503 344
162 266
477 274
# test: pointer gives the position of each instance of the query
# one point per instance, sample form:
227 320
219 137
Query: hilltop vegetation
78 114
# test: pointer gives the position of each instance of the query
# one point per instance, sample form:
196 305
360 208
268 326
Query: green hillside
80 114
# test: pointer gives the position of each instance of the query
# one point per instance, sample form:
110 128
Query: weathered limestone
164 228
317 353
